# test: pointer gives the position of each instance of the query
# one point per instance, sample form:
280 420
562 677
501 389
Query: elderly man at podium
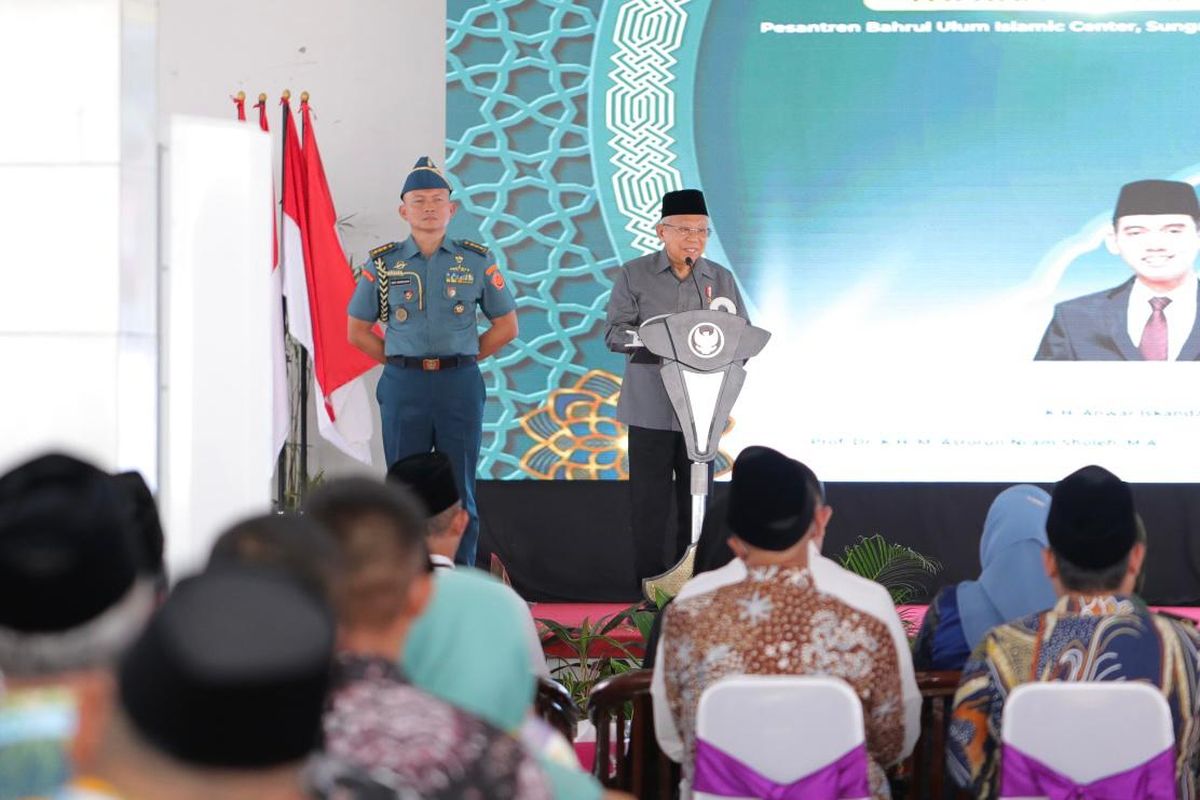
676 278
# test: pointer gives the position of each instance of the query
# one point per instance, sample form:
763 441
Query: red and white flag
318 283
279 384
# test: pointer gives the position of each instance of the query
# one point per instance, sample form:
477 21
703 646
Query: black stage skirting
568 541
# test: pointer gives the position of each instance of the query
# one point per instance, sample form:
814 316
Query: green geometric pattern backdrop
560 118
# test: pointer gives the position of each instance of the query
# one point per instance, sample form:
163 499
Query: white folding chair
1087 730
784 727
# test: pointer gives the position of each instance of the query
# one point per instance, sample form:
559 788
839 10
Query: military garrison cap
424 175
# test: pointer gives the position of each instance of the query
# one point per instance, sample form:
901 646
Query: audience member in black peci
71 599
378 723
430 476
221 696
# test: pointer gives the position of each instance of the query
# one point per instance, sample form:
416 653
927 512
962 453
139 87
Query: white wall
376 73
78 231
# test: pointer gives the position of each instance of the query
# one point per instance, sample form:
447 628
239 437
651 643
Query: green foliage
899 569
580 673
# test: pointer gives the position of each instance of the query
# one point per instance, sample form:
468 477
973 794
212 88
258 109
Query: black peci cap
1157 197
431 478
1091 521
67 546
771 502
232 671
684 201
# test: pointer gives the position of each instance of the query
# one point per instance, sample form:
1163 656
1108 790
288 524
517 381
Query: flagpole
301 353
303 399
281 462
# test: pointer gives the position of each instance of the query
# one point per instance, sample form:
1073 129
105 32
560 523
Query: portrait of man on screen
1151 316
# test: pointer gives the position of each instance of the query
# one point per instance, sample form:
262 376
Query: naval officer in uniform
676 278
425 292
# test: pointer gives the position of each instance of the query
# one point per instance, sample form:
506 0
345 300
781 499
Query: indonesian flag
279 385
318 283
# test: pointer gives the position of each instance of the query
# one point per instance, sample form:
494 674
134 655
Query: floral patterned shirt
776 623
1095 638
384 738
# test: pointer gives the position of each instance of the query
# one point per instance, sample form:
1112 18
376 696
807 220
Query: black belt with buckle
431 364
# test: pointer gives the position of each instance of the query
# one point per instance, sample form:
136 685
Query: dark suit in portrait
1092 328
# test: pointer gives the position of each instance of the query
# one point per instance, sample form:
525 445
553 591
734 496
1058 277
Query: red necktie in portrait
1154 335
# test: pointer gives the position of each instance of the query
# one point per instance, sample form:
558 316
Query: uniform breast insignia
497 278
459 307
401 314
451 291
400 276
473 246
408 295
383 250
460 273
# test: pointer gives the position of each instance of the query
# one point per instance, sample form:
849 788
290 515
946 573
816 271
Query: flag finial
287 94
262 97
304 97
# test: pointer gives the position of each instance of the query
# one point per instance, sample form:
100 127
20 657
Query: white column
78 231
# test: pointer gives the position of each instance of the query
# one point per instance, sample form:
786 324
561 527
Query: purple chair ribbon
719 773
1022 775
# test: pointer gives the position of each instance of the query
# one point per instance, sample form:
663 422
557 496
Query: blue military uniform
431 392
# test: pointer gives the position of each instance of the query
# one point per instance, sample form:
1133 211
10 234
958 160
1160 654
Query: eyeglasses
688 231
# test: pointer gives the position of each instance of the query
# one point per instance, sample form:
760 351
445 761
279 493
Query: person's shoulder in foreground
380 725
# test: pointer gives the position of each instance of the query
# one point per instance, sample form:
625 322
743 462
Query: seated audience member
1012 582
775 621
71 600
829 577
221 696
469 649
1095 631
430 476
294 544
378 723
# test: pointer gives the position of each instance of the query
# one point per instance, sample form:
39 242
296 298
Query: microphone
692 268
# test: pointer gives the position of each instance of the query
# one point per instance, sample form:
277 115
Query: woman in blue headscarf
1012 583
469 647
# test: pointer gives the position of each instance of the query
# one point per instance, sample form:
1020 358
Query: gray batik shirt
643 288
